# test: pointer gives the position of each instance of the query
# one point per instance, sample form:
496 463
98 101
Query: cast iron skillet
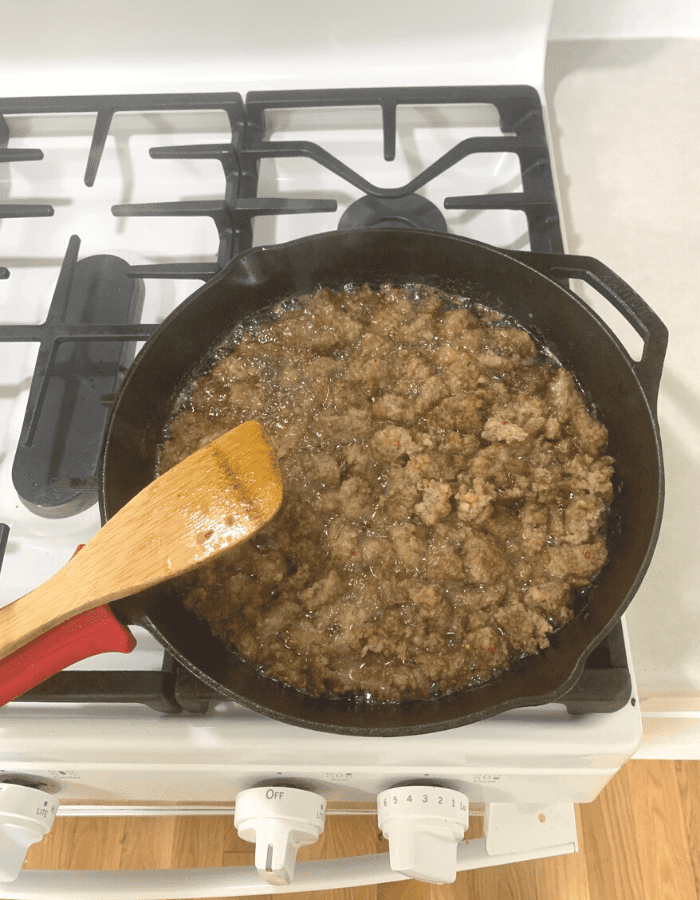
523 285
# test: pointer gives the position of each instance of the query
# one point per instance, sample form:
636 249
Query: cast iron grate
88 339
85 345
105 107
523 133
97 304
19 210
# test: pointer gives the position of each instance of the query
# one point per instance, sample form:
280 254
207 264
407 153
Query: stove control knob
278 820
423 825
26 816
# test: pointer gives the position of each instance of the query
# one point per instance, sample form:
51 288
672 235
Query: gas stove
114 208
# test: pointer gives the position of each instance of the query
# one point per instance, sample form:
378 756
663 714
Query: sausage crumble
446 491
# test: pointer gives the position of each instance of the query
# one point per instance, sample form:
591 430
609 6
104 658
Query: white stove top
584 751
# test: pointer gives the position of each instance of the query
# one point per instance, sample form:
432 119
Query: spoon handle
87 634
86 581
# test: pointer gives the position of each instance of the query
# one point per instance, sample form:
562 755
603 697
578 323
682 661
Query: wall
587 19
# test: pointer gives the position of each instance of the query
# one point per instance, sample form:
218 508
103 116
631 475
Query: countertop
625 125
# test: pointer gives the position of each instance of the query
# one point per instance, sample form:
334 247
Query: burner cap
411 211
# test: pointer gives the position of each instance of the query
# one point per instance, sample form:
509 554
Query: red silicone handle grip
87 634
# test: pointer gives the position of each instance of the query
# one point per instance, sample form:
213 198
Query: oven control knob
423 825
26 816
278 820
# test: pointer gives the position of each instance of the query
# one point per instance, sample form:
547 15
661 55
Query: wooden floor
640 840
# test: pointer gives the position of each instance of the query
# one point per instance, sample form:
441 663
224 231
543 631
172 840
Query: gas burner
410 211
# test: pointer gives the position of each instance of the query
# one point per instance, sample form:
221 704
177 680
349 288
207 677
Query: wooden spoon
211 501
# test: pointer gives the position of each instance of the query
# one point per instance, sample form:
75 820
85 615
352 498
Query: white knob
423 825
278 820
26 816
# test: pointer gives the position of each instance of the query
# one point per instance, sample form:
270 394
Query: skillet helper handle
626 301
87 634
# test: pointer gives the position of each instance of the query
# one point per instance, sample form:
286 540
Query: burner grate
18 210
108 318
105 107
87 341
85 345
523 134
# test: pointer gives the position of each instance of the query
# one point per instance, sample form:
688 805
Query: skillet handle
626 301
87 634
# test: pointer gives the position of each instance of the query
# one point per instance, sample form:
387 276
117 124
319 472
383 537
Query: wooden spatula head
216 498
